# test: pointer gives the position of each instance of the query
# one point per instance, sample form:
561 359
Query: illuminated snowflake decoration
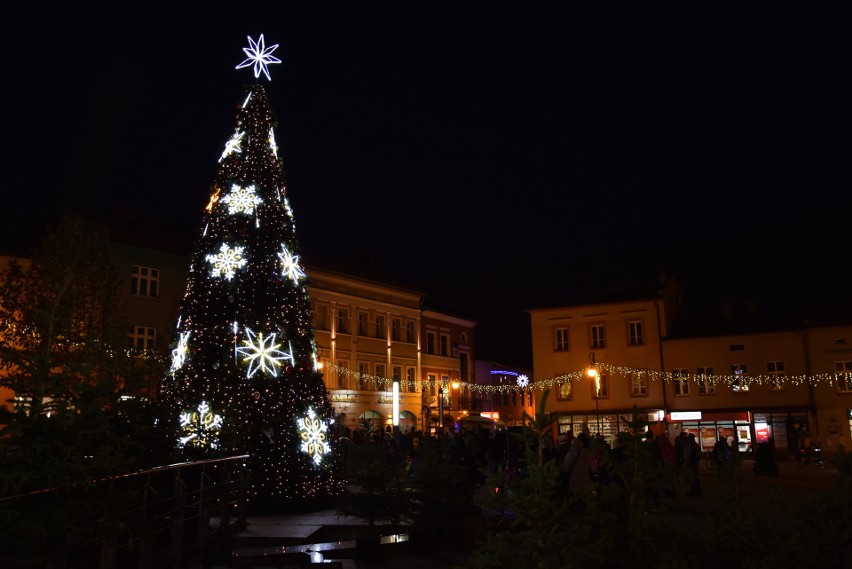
263 354
233 145
179 353
312 431
523 381
272 142
226 261
242 200
260 56
200 428
290 265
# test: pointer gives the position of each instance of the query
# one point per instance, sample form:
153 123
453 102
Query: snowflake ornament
242 200
200 428
226 261
523 381
312 431
263 354
290 265
260 56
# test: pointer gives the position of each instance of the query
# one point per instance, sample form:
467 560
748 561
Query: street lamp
593 372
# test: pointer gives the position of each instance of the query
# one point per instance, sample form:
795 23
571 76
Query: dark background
495 159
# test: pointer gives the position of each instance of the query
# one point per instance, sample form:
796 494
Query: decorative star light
179 353
523 381
272 143
290 265
260 56
233 145
226 261
312 431
241 200
263 354
200 428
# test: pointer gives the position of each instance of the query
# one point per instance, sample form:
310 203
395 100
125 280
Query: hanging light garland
384 383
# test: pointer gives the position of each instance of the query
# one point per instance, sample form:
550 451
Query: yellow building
750 380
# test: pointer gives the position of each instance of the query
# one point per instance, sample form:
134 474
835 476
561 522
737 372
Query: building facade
786 384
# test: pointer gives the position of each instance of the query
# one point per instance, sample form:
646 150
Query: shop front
785 430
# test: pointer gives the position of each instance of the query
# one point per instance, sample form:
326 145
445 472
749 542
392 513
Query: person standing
577 464
691 460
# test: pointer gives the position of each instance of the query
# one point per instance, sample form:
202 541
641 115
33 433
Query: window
395 329
639 385
464 337
565 390
776 375
706 385
464 366
342 321
142 338
409 380
600 387
409 331
430 342
397 374
363 375
445 345
380 376
144 281
342 369
843 369
635 333
560 339
597 335
380 326
680 383
320 316
740 382
362 323
515 398
432 379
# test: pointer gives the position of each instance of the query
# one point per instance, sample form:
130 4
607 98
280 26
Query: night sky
515 155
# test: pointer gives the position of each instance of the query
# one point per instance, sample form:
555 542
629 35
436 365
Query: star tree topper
260 56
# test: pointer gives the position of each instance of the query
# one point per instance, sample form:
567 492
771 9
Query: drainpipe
662 362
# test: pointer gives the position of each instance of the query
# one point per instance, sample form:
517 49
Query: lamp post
395 403
593 373
455 385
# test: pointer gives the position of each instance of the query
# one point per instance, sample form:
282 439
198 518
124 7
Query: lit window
740 382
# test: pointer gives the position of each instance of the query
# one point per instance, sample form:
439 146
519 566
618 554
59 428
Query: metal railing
147 520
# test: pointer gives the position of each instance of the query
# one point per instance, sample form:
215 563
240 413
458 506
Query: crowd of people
585 461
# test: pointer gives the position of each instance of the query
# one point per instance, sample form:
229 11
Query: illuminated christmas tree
244 375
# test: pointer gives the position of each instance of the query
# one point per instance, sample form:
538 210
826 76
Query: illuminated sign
686 415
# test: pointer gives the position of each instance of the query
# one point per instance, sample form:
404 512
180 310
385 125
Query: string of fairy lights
523 383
